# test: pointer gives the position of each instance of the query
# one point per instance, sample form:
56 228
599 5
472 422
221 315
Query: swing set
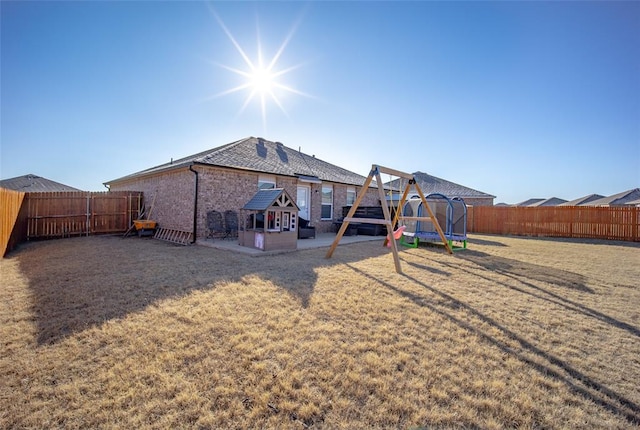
388 222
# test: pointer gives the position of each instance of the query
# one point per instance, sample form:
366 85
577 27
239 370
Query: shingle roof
34 184
619 199
432 184
529 202
264 199
552 201
582 200
260 155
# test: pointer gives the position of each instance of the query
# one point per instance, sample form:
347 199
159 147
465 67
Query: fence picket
66 214
585 222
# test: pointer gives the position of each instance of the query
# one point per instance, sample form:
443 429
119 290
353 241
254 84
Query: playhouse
450 214
269 221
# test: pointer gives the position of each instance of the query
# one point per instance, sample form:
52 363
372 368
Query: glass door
304 202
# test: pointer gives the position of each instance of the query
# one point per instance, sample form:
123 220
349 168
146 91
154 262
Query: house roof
582 200
263 156
431 184
34 184
529 202
619 199
264 199
552 201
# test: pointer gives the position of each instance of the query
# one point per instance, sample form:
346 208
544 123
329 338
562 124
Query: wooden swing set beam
375 172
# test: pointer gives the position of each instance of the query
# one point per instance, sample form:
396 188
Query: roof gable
552 201
582 200
529 202
274 197
34 184
619 199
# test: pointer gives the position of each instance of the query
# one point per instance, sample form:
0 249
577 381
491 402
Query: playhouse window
266 182
271 221
327 202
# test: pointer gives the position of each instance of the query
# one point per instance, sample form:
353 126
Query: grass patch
514 332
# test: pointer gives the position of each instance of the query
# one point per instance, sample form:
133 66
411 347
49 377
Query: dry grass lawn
104 332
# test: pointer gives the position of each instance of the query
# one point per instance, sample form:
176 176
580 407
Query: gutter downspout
195 206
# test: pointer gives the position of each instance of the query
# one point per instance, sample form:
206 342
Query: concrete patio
321 240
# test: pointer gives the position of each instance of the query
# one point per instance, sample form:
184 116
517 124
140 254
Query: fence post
88 225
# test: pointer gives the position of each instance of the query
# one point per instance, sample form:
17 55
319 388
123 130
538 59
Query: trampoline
451 215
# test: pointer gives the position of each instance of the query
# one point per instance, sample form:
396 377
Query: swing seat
397 234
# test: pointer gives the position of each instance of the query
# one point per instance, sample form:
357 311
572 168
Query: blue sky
515 99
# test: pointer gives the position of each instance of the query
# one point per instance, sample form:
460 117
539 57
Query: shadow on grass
583 241
561 278
83 282
523 272
543 362
475 240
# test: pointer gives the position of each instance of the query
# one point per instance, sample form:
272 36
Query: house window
266 182
351 196
327 202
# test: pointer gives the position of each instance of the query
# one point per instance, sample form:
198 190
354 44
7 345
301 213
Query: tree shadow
83 282
523 272
551 275
545 363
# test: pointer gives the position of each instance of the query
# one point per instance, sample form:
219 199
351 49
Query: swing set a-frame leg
375 172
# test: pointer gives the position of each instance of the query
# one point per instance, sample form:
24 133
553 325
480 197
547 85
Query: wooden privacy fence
11 202
65 214
610 223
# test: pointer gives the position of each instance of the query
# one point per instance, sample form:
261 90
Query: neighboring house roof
264 199
620 199
529 202
634 203
552 201
34 184
582 200
431 184
260 155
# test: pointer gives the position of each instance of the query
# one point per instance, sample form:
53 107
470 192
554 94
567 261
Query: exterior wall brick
171 194
223 189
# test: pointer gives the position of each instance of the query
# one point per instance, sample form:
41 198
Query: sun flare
262 82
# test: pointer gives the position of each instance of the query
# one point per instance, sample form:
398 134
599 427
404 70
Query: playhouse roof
264 199
34 184
261 155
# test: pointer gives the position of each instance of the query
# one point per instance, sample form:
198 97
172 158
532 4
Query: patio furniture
305 231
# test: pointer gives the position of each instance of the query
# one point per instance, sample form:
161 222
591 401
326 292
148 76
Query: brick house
227 177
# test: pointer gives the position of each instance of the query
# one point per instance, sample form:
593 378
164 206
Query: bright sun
262 80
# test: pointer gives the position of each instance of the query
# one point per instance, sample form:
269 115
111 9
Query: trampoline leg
410 245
